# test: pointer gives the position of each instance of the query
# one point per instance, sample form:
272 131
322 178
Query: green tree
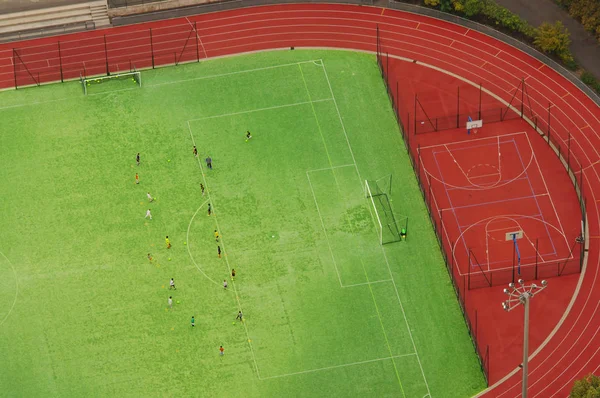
472 7
554 39
588 387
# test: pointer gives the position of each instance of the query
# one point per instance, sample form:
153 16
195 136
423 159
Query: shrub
554 39
588 387
588 78
472 7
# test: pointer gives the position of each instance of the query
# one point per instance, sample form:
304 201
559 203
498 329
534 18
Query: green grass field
328 310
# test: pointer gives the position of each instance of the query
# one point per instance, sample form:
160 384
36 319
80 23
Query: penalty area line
337 366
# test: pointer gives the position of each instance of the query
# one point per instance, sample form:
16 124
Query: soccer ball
169 258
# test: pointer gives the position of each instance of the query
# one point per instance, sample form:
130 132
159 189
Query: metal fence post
151 48
60 63
106 56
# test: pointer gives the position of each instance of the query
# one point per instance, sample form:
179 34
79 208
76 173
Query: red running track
573 350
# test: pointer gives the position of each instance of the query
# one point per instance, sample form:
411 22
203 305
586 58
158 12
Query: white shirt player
148 214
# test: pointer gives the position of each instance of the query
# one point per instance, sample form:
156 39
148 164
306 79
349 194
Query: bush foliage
588 387
554 39
585 11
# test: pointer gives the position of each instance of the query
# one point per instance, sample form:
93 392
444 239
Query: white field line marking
385 335
230 73
162 84
324 230
405 320
198 37
368 283
187 237
337 366
341 120
330 168
16 289
260 109
214 214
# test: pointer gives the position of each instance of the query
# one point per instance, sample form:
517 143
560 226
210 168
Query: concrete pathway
584 46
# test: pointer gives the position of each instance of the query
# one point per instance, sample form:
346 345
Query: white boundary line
16 289
338 366
187 238
324 231
260 109
235 291
211 200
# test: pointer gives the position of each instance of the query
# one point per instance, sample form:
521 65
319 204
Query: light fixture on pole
517 295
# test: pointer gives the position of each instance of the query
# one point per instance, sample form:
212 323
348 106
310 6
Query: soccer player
149 257
170 302
148 214
168 242
239 316
232 273
225 284
150 198
209 209
193 322
209 162
202 188
137 159
221 351
172 284
219 251
216 236
248 136
137 178
195 152
403 234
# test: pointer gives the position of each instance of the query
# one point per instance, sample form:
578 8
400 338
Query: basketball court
496 211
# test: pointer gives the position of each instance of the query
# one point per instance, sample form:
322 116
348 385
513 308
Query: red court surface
538 196
485 187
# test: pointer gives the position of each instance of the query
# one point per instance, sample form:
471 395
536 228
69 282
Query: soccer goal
134 77
391 227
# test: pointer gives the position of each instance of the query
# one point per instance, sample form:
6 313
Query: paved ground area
7 6
584 46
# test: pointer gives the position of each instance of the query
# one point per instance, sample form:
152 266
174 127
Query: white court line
235 291
549 196
198 37
187 239
338 366
260 109
473 140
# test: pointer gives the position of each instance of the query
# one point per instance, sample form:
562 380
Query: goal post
391 227
88 82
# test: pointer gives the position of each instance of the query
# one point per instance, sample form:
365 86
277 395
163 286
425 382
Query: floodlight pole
518 295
